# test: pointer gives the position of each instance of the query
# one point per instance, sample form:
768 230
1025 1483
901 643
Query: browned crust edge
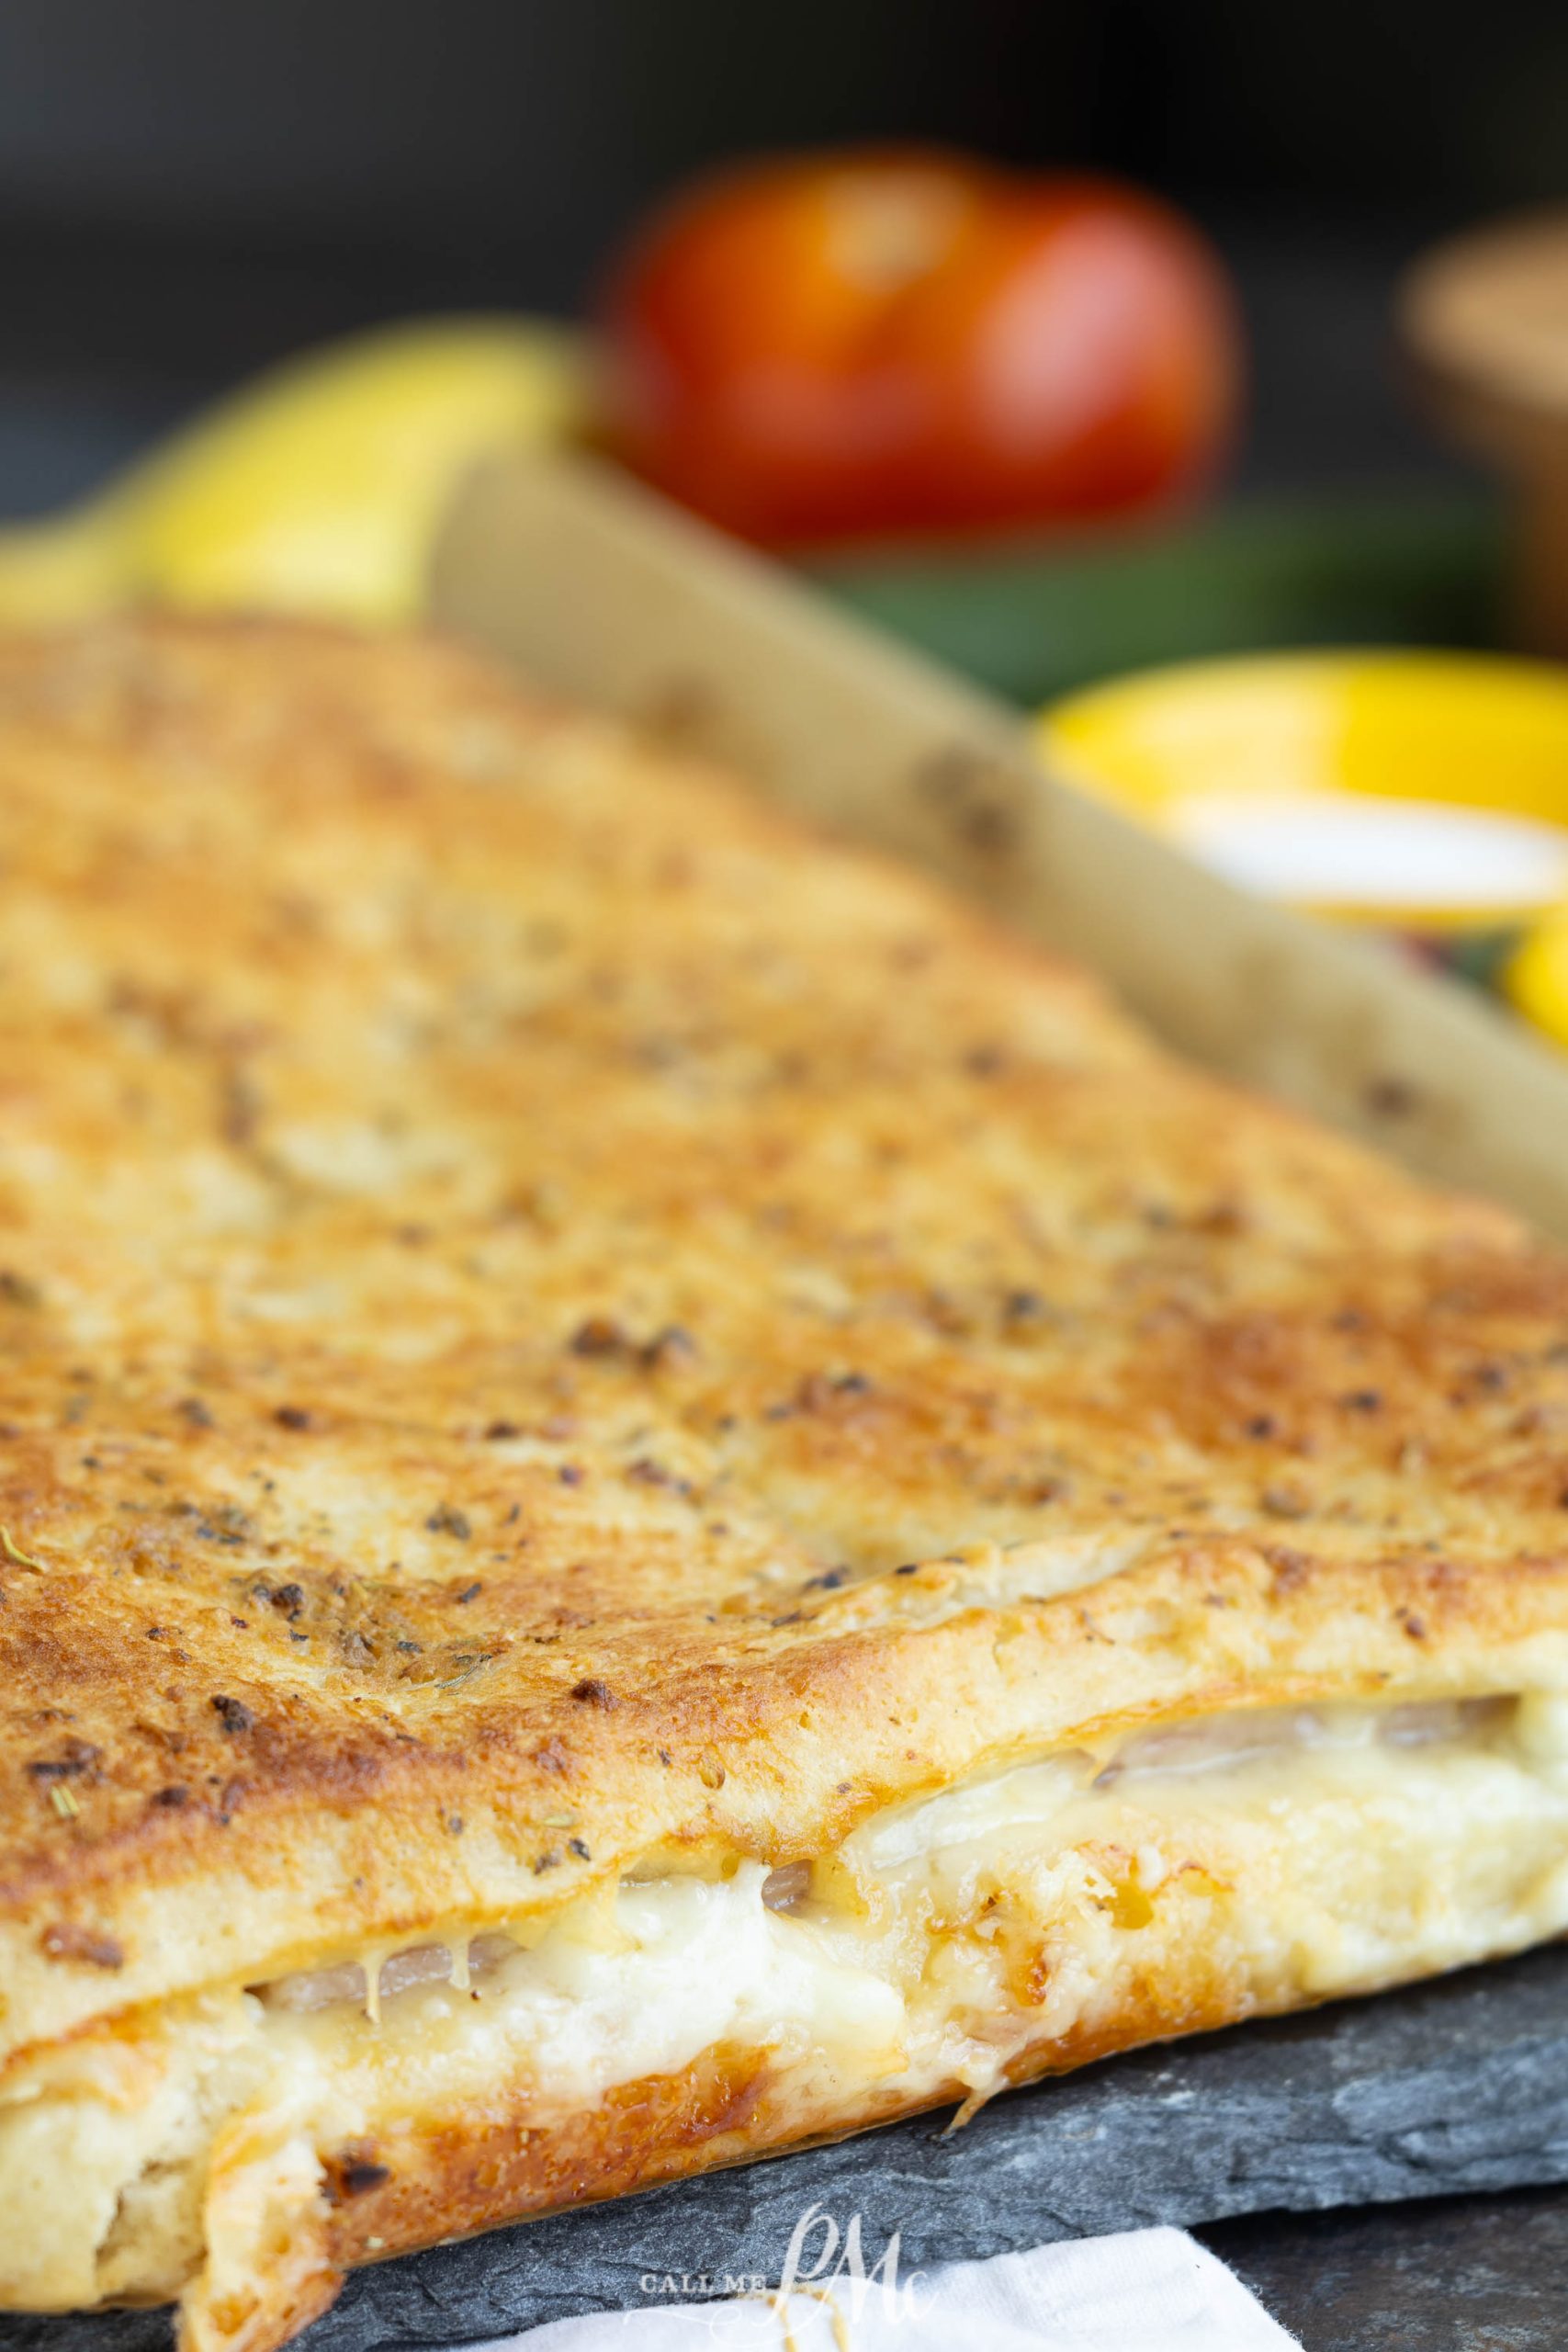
731 2106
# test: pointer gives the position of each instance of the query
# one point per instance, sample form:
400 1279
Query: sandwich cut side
660 1497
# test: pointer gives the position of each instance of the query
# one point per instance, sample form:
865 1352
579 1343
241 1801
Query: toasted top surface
549 1318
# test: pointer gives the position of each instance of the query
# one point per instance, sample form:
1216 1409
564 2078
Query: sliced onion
786 1888
316 1988
344 1985
1221 1743
1421 1722
488 1951
421 1965
1215 1742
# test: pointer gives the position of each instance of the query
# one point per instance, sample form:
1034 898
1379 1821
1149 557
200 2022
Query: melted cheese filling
1238 1863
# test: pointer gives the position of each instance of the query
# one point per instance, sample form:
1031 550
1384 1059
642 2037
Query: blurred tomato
888 342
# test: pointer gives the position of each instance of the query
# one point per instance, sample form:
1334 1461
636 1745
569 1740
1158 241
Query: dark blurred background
190 187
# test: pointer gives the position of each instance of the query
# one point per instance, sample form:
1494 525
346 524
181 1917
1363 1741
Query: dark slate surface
1473 2274
1456 2086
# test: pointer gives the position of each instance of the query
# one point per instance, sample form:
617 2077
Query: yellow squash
314 489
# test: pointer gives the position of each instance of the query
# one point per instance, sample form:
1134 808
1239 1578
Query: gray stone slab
1467 2274
1452 2088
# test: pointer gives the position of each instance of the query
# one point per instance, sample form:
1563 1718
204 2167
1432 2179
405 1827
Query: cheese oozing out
1249 1861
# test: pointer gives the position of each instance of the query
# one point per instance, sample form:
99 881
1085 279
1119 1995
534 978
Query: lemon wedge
315 488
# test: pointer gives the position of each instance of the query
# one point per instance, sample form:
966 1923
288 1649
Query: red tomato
828 347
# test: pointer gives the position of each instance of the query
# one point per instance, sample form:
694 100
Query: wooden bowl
1485 319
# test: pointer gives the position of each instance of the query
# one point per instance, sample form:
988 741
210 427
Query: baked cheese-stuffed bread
659 1496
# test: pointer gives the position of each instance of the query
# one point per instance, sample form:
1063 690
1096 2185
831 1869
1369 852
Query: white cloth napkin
1143 2290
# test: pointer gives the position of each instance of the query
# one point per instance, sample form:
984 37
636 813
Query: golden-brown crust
430 2181
547 1317
413 2187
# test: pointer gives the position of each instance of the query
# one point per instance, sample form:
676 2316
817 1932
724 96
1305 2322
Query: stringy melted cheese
1282 1855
